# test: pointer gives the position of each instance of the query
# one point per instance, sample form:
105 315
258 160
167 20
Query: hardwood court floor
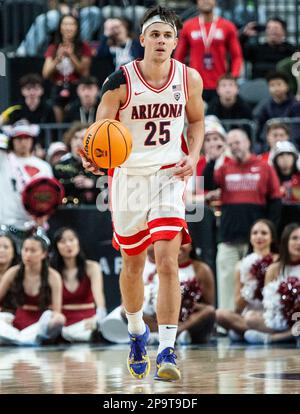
216 369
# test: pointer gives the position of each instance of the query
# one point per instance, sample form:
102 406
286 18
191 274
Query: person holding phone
265 56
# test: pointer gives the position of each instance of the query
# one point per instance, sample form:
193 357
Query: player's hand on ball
185 168
88 164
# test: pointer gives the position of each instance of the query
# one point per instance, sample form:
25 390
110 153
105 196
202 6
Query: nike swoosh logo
171 327
139 93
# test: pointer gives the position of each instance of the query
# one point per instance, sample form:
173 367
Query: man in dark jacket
228 104
84 109
265 56
32 107
281 104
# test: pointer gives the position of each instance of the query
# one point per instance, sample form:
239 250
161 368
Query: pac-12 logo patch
177 95
176 90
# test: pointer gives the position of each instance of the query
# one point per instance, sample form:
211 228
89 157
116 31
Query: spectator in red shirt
67 60
209 40
249 190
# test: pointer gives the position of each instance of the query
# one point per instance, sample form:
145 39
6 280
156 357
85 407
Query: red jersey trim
159 229
143 80
128 84
119 242
185 83
135 238
167 221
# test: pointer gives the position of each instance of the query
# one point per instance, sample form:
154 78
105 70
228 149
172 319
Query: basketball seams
123 140
94 136
108 140
115 153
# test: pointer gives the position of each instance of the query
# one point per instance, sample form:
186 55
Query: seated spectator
8 258
47 23
281 103
83 299
276 323
55 151
285 159
80 186
249 190
290 68
197 316
17 169
249 280
84 109
265 56
228 104
35 288
33 106
118 43
275 132
214 148
67 60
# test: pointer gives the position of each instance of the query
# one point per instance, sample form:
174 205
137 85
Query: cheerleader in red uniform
280 319
34 288
249 281
83 298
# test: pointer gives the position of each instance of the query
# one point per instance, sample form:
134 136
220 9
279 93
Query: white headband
157 19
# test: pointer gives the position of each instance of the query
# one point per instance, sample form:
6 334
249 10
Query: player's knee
166 266
133 269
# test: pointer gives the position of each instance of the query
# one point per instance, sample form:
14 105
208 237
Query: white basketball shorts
147 208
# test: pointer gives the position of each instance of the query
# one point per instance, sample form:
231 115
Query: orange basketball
107 143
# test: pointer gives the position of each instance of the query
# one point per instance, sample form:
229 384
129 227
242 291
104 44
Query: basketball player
151 97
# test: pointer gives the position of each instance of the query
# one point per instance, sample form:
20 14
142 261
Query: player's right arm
113 96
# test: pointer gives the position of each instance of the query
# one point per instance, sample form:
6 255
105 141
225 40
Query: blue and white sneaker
138 361
166 366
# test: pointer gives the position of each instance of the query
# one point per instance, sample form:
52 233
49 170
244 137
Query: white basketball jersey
155 118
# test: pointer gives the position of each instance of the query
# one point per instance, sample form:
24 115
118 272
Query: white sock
136 324
167 336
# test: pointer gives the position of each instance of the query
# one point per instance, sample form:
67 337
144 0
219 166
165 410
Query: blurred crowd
250 163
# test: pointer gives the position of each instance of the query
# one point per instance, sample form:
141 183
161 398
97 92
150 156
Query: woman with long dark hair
83 297
249 281
36 292
68 58
8 253
281 294
8 258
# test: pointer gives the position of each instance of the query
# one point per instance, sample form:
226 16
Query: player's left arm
195 132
